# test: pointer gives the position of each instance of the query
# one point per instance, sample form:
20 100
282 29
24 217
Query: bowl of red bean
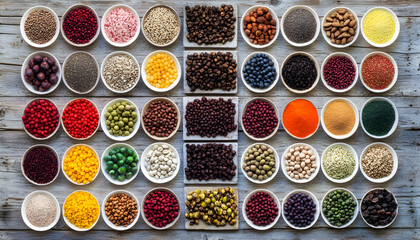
300 209
41 119
261 209
339 72
300 163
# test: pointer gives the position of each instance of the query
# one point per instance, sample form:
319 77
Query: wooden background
406 141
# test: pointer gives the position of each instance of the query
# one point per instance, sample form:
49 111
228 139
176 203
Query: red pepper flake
80 118
378 72
41 118
80 25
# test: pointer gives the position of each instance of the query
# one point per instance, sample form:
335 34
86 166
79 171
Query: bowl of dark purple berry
261 209
379 208
339 72
300 209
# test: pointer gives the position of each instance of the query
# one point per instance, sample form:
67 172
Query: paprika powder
300 118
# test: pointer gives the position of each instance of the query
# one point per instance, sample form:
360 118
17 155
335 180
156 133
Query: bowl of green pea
339 208
120 163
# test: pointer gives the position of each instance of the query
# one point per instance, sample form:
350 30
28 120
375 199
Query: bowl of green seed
339 163
379 117
120 163
339 208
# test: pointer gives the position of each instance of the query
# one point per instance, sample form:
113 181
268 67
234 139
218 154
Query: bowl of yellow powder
380 27
340 118
81 211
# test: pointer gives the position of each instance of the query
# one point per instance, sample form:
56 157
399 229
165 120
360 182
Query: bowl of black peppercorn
379 208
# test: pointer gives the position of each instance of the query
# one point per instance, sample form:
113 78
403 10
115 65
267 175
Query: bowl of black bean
260 72
300 209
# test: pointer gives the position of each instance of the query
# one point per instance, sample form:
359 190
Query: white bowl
27 152
71 225
316 66
356 115
317 160
394 167
396 211
25 65
356 209
143 162
313 198
25 218
259 90
249 222
105 217
144 200
318 25
179 22
22 27
64 77
277 164
394 80
136 16
102 69
356 73
62 122
246 38
397 27
97 31
144 74
275 110
64 157
394 127
324 34
103 164
103 120
56 129
356 162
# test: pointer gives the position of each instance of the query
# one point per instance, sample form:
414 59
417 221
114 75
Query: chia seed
81 72
299 26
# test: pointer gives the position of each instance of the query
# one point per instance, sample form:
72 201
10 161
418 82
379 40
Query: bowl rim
355 213
317 160
105 217
64 156
249 222
32 148
394 126
23 211
317 30
396 211
313 197
136 16
394 63
394 158
276 66
397 27
143 168
356 162
356 71
74 227
77 5
25 17
58 125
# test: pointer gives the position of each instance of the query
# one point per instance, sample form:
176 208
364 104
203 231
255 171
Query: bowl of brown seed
378 162
340 27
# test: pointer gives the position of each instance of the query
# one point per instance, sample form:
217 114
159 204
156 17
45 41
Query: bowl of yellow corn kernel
161 71
81 211
80 164
380 26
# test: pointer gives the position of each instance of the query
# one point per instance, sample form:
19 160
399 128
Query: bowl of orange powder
300 118
340 118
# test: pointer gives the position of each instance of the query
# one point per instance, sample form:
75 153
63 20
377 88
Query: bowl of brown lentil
378 162
305 168
81 72
40 210
115 205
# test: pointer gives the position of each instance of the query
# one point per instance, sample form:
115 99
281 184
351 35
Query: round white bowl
356 73
260 90
105 217
275 110
355 213
136 16
383 226
285 129
144 200
356 161
317 160
397 27
65 130
27 152
249 222
56 129
394 167
313 198
143 112
25 65
25 218
103 165
394 80
179 22
394 127
22 27
144 74
103 120
316 66
246 38
74 227
143 162
324 34
97 31
356 115
102 69
277 164
64 78
64 157
318 25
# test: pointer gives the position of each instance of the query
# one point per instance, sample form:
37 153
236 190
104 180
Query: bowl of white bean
300 163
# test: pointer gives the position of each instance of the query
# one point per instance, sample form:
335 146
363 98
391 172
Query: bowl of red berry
41 119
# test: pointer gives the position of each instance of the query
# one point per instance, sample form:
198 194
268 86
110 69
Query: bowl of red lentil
113 211
376 160
339 72
80 170
46 109
38 207
83 203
